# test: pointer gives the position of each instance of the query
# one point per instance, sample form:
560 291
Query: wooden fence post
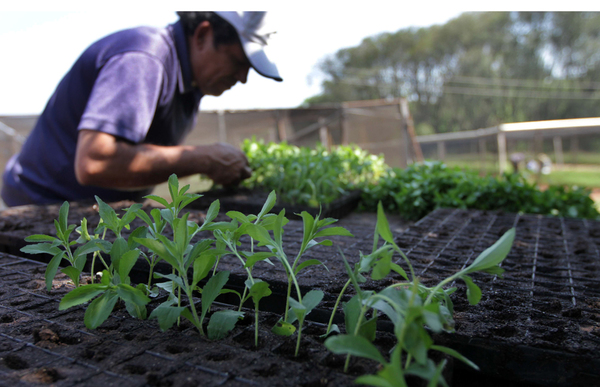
221 126
502 158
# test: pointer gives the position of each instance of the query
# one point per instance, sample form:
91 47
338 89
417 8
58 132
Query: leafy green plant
412 308
420 188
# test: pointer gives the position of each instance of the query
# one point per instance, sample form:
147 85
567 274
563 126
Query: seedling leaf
80 295
73 273
269 204
222 322
212 212
312 299
108 215
202 266
355 346
331 231
87 248
40 238
283 328
99 310
133 295
473 291
252 258
212 289
159 249
260 234
494 254
238 216
41 248
383 227
455 354
158 199
382 267
310 262
259 290
166 315
63 214
52 268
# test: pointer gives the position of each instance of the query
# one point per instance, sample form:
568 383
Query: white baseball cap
254 36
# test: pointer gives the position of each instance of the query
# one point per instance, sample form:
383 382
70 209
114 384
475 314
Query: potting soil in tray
540 322
251 202
41 345
537 325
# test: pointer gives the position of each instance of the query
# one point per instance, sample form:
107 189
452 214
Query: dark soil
251 202
43 346
538 324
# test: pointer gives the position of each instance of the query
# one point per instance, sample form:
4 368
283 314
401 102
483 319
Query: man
114 125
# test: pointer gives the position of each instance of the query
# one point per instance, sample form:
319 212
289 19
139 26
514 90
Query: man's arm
106 161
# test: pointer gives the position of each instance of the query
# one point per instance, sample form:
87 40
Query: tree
477 70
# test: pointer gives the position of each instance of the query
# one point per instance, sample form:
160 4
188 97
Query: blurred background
487 89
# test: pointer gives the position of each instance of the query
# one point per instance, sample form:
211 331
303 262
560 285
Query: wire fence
381 127
375 126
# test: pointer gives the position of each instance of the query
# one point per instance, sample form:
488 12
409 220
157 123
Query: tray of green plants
304 179
315 178
198 275
420 188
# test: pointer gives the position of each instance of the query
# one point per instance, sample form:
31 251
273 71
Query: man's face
216 69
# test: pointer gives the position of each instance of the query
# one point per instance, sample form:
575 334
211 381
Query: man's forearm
104 161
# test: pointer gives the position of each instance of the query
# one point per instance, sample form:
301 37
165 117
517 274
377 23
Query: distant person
114 125
516 159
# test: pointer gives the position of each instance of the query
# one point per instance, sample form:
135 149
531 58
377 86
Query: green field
573 177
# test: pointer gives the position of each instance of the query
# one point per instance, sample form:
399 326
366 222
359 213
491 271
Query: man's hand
229 165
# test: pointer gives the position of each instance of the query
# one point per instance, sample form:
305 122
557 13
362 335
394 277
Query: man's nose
242 75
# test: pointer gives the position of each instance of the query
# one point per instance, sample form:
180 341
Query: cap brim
259 60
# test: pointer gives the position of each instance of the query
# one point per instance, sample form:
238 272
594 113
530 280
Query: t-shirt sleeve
124 97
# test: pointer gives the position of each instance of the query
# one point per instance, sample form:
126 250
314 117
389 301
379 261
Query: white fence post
502 158
558 150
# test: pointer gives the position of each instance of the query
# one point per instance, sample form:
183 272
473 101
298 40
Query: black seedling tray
251 202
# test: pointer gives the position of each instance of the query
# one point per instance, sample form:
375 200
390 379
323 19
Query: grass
572 177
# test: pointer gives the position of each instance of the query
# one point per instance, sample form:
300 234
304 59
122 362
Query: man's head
223 46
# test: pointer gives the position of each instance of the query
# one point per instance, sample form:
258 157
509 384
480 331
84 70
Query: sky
40 40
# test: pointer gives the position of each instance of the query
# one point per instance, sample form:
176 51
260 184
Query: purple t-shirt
135 84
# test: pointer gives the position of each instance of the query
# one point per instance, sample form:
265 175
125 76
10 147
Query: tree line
477 70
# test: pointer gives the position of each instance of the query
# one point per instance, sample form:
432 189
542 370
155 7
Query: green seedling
420 188
182 255
378 263
59 247
62 247
412 308
115 284
229 237
297 309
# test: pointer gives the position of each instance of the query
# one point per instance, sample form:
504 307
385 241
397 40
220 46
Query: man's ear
202 34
